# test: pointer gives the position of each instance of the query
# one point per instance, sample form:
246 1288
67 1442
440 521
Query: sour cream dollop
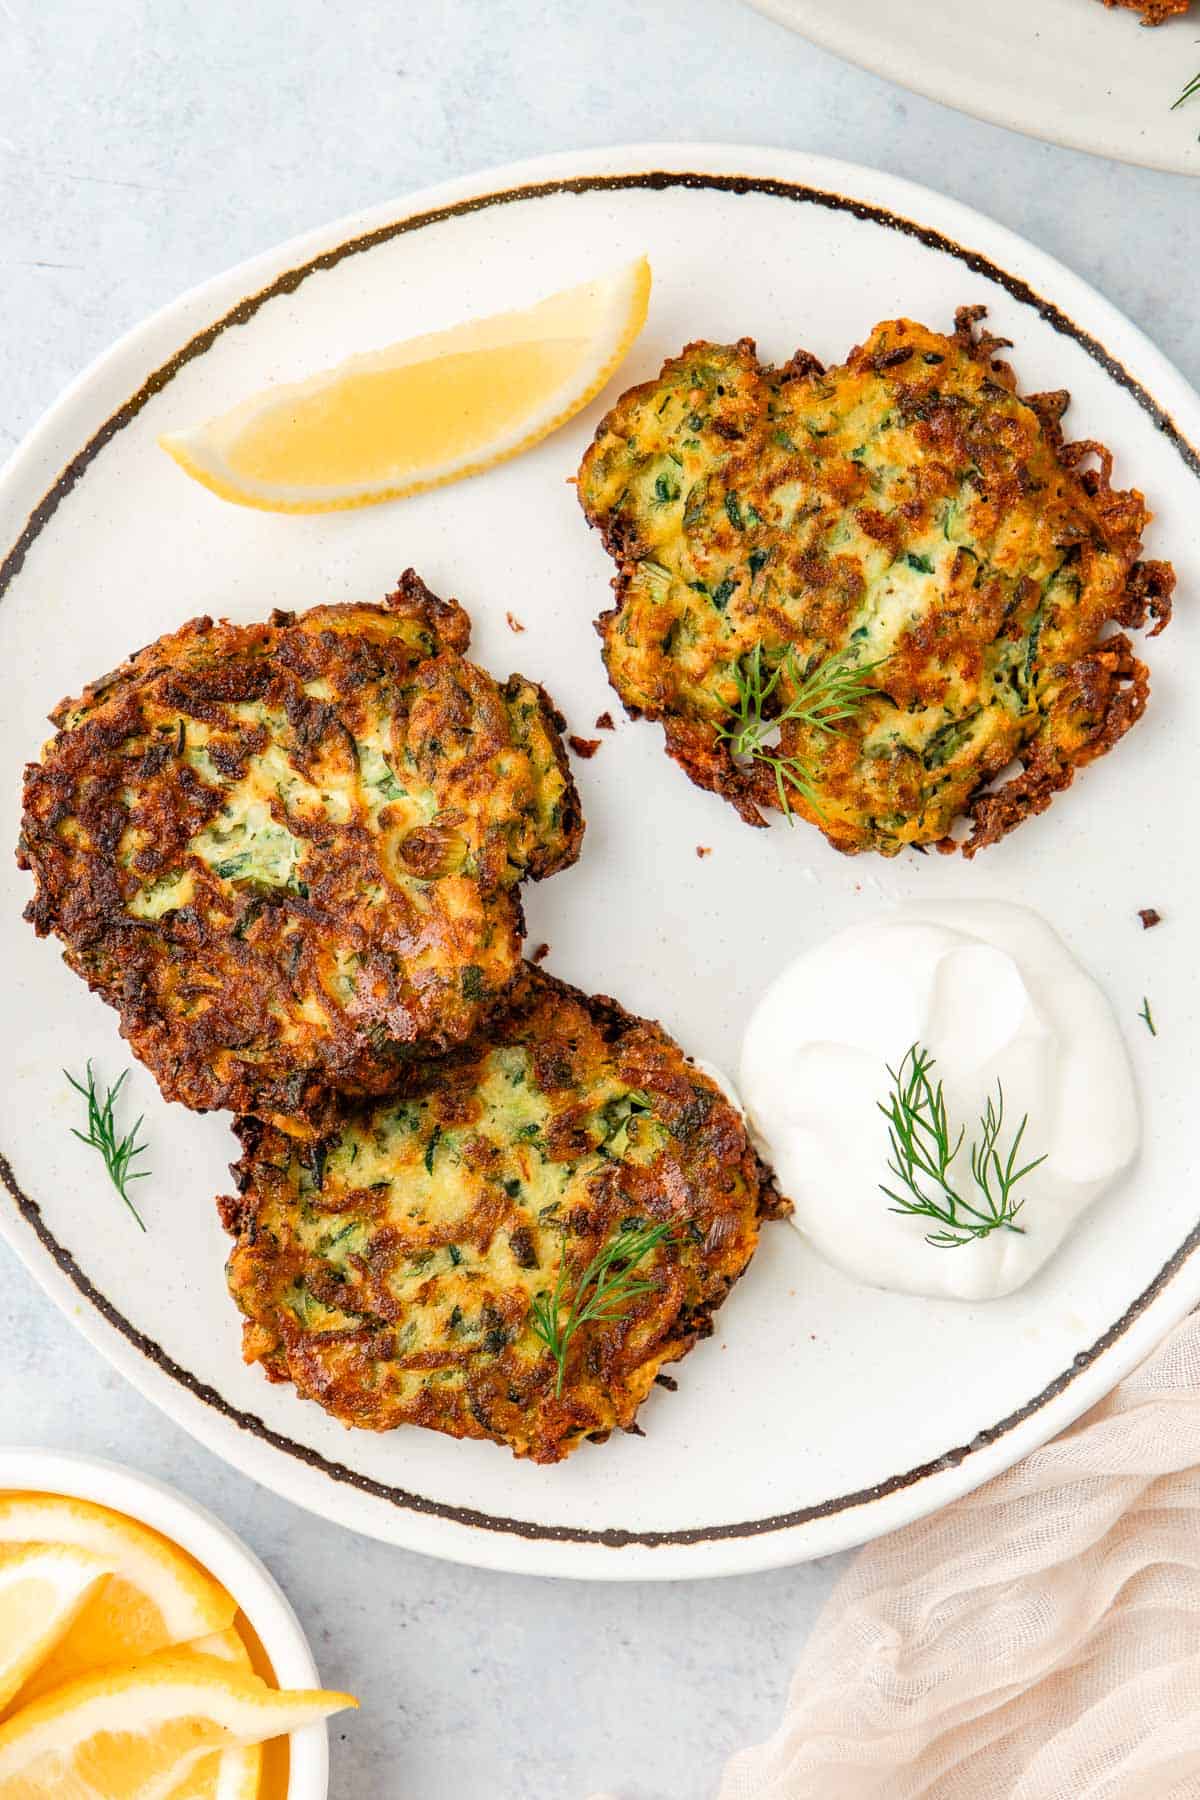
993 993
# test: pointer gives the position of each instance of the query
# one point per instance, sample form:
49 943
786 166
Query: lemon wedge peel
43 1587
441 406
159 1717
223 1774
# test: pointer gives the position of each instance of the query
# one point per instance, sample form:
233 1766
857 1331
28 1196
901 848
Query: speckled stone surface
145 145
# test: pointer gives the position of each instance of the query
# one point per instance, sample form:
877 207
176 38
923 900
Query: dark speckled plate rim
287 283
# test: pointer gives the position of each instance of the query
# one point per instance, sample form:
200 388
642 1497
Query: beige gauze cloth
1038 1640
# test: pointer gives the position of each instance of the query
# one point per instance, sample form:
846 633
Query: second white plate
1069 71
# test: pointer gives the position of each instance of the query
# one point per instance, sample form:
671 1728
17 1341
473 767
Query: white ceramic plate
822 1412
215 1548
1066 70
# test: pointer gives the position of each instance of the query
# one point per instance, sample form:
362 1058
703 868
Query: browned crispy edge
1110 676
1154 12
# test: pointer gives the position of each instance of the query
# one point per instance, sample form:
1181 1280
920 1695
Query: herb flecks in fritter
906 523
435 1259
288 854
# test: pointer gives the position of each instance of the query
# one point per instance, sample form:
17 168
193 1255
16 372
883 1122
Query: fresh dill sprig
119 1152
1189 93
821 698
603 1291
924 1148
1145 1012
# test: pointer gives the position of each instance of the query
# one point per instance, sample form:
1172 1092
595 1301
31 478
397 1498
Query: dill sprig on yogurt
925 1146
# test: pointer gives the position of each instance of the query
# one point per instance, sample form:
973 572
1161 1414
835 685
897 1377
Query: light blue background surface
147 144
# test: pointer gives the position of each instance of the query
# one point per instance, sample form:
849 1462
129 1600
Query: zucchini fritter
905 525
1153 12
389 1270
288 854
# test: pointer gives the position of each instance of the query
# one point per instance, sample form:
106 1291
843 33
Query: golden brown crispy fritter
1153 12
288 854
906 528
390 1270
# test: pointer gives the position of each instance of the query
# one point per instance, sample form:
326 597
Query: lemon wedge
42 1589
223 1774
422 412
135 1733
155 1596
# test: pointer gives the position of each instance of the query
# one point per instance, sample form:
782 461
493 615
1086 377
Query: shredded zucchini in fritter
905 527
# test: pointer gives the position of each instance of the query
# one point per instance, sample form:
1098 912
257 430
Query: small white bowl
216 1548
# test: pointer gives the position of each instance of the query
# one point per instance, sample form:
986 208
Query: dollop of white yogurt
993 993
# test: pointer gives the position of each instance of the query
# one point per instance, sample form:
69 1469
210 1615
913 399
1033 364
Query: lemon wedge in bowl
423 412
134 1732
223 1774
43 1588
152 1596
